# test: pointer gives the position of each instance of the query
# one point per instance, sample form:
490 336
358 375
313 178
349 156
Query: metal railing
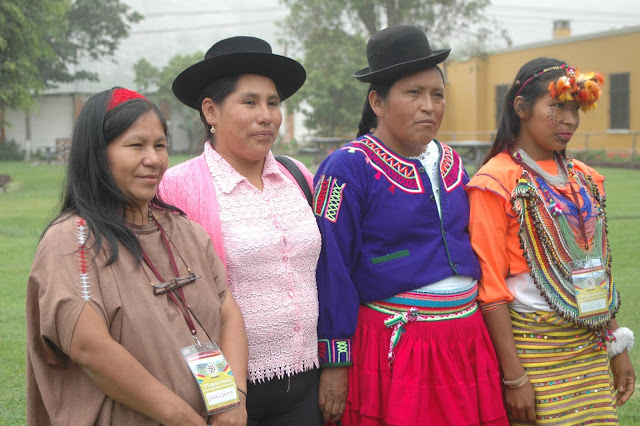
612 147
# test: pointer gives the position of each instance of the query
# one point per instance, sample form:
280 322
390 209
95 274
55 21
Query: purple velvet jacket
382 235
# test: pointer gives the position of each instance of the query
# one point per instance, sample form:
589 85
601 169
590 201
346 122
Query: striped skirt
569 370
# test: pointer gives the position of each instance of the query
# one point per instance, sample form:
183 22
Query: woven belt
399 319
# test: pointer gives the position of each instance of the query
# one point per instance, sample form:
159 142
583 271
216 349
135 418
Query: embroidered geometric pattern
335 201
322 189
401 173
450 168
334 352
323 351
328 198
81 235
548 254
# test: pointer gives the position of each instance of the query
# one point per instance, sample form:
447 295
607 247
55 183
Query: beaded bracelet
624 339
517 383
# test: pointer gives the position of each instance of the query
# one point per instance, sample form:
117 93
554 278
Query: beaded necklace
554 231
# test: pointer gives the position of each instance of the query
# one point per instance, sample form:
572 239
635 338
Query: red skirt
444 373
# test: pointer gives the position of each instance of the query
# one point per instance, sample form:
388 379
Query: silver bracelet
624 340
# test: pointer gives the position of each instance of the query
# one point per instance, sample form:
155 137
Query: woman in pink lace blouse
259 220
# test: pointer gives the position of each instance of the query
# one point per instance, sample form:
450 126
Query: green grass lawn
32 197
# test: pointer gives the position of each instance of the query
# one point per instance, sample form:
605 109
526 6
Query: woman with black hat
259 220
397 276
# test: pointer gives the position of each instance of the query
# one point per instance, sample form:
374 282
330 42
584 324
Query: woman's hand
236 416
521 403
624 377
332 398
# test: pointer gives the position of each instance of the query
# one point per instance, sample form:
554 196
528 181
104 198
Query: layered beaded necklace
554 231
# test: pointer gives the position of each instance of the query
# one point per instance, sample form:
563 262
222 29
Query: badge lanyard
184 308
574 195
207 363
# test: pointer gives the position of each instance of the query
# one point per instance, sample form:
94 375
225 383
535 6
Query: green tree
333 33
155 83
93 30
334 98
42 42
24 29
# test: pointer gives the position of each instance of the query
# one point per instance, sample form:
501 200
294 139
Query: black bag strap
297 175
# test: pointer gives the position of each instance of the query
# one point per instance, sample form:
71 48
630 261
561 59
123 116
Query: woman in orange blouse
539 228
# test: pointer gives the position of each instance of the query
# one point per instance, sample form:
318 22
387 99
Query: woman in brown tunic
103 346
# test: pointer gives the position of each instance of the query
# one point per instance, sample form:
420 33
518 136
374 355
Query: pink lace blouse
271 245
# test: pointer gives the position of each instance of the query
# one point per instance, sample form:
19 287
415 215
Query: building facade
476 87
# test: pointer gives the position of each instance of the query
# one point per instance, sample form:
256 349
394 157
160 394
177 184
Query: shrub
9 151
589 156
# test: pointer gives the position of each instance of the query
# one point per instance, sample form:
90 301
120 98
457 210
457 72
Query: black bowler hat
398 51
234 56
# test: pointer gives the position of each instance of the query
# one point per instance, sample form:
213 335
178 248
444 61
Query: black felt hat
234 56
398 51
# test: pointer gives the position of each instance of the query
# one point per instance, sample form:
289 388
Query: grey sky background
175 27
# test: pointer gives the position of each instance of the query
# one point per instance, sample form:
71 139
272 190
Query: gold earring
213 129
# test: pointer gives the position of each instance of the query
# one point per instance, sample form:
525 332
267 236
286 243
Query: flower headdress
574 86
577 87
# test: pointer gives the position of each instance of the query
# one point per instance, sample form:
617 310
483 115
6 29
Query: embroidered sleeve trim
328 198
81 236
334 352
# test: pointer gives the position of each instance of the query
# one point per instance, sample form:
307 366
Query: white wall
15 128
51 118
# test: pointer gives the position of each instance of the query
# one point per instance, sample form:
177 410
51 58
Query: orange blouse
494 227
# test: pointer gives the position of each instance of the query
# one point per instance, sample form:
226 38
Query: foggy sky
175 27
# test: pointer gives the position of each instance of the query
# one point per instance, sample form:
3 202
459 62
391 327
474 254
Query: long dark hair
89 189
509 125
369 119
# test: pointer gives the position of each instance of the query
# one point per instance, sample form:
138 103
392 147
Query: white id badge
589 281
213 375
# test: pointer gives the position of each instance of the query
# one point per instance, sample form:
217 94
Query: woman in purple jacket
401 338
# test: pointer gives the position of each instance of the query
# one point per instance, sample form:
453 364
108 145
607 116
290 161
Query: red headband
122 95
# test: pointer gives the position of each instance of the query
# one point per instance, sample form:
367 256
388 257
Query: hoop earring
213 129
